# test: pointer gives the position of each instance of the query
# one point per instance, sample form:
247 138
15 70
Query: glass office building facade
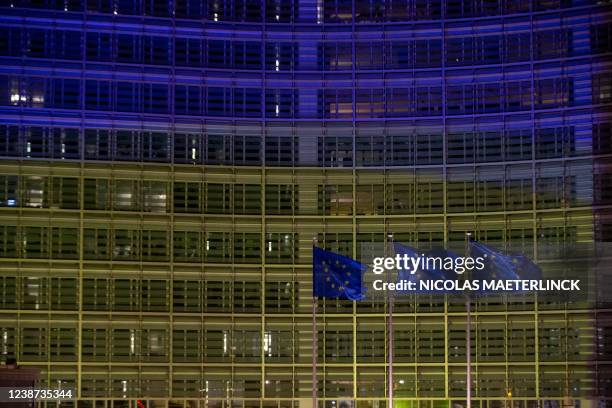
166 165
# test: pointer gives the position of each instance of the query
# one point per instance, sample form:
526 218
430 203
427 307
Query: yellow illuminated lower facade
190 286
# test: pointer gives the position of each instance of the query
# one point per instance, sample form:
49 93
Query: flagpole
390 333
314 336
468 334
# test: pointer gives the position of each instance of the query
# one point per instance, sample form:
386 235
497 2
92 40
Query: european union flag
336 276
431 271
498 265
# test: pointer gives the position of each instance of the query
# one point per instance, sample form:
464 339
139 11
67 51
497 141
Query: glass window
193 9
98 95
517 47
9 192
429 192
281 150
187 147
155 98
96 243
126 195
126 245
281 248
64 243
400 198
187 246
98 144
247 247
370 199
554 93
602 88
127 145
8 243
369 55
187 197
338 11
36 191
156 50
96 194
65 193
155 196
218 198
335 199
9 141
129 48
36 242
552 44
98 46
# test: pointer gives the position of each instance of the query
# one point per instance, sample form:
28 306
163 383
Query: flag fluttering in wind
427 271
336 276
502 266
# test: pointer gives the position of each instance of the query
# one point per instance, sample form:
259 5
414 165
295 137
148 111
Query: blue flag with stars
430 273
336 276
502 266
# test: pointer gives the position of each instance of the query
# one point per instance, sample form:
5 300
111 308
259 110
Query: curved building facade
166 165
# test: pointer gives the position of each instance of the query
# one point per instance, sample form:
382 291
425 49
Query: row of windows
284 292
237 382
245 387
285 11
130 244
421 342
508 188
148 295
336 145
283 56
494 97
146 245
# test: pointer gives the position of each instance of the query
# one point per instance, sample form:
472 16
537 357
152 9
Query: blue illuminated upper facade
305 83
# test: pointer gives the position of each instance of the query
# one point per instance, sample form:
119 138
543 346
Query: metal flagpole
390 331
314 333
468 334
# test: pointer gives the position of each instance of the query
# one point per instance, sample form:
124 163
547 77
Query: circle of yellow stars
328 278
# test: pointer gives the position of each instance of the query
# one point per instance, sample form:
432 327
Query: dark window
247 54
555 142
127 145
65 143
369 55
157 50
218 101
129 48
67 45
280 56
218 54
66 93
155 146
9 141
128 97
194 9
97 144
601 38
553 93
338 11
280 10
98 95
98 47
517 47
280 103
188 52
552 44
247 101
187 148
